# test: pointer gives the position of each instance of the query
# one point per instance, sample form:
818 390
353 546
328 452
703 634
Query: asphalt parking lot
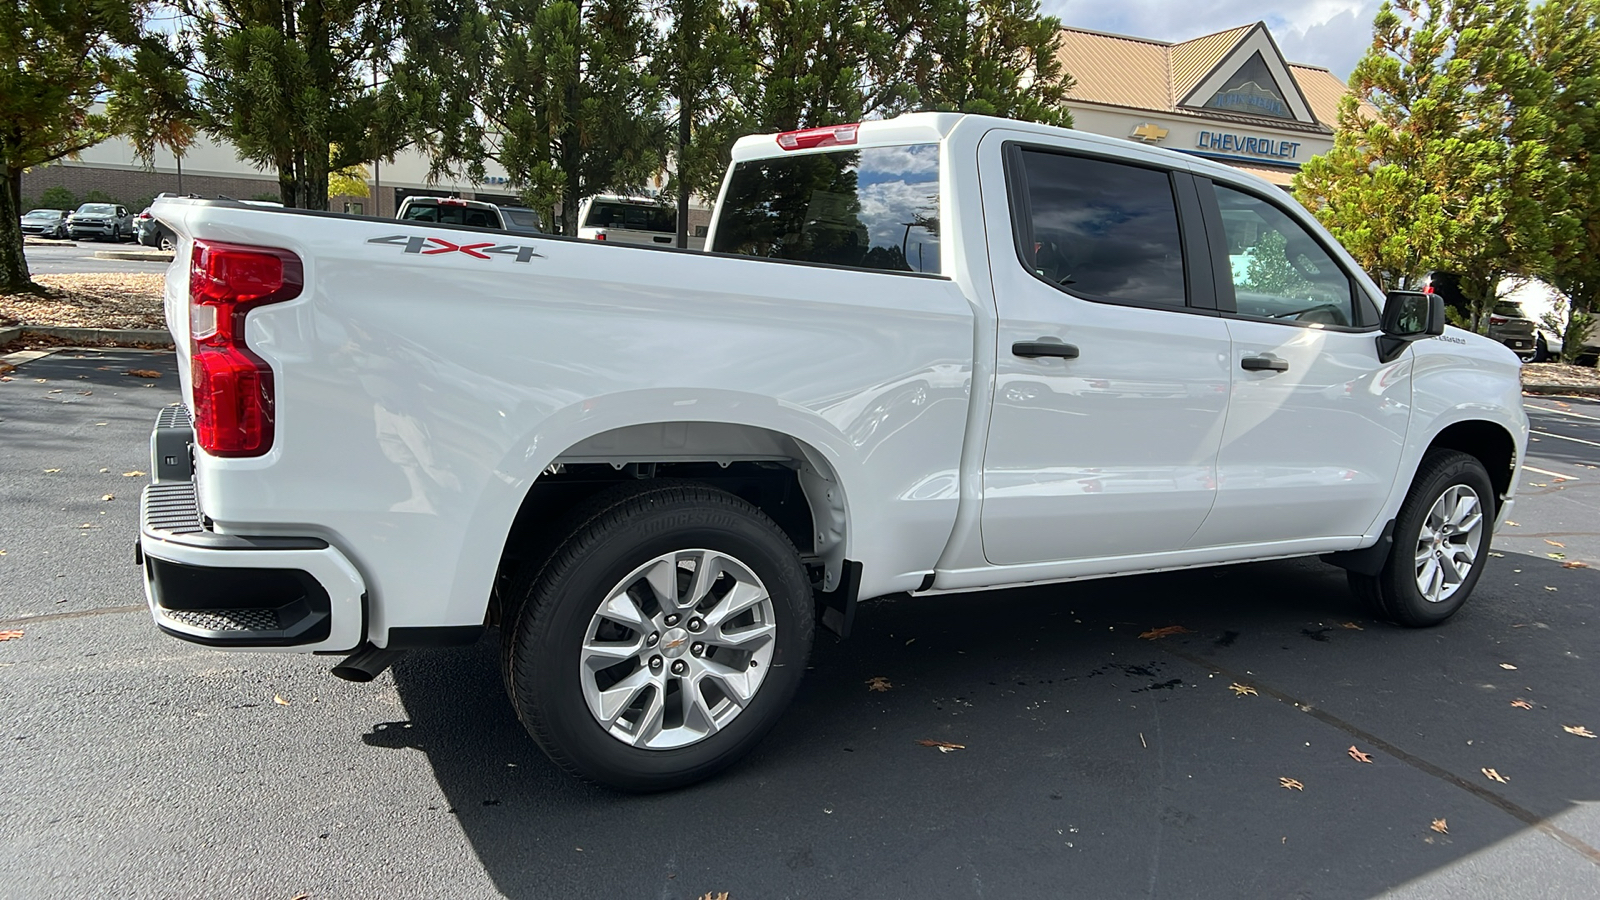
1094 763
62 259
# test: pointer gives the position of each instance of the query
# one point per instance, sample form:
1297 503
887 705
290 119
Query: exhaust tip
366 664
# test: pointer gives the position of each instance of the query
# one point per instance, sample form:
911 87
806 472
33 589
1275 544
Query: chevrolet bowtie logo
670 645
1149 133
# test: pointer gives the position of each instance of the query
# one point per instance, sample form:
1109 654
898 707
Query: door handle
1036 349
1266 363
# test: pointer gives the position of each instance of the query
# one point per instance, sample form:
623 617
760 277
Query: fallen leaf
301 897
109 497
1554 543
1440 826
7 367
51 471
1556 555
86 525
1574 564
10 635
1158 633
879 683
143 373
1578 730
56 391
1538 484
1508 666
1520 703
40 380
944 746
1492 775
134 474
710 896
1243 690
278 699
1551 589
1497 553
1511 523
1291 784
1358 756
1352 626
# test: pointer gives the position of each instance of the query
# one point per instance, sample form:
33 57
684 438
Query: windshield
1509 310
43 214
875 208
98 209
632 216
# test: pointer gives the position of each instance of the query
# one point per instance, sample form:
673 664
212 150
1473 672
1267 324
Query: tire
167 244
1541 351
1397 593
628 725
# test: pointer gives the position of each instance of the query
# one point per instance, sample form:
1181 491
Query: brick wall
128 186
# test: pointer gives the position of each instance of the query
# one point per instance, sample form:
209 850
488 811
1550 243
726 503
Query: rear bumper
238 591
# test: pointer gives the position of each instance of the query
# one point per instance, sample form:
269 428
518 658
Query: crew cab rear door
1112 362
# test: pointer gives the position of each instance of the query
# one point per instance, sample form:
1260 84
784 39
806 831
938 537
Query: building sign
1250 98
1227 142
1149 133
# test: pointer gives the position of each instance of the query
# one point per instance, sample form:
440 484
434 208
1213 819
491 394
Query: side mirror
1408 316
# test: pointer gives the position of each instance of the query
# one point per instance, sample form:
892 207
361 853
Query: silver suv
101 221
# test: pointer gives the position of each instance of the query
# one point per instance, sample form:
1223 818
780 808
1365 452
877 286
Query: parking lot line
1550 473
1565 438
1562 412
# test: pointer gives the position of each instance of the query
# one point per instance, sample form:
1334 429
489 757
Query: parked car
1548 308
451 211
655 471
1507 322
46 223
521 220
634 220
100 221
149 231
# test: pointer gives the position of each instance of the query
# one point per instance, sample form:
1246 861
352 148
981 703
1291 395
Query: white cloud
1332 33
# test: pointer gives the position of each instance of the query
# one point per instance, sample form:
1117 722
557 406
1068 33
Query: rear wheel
168 244
1541 350
1441 542
662 640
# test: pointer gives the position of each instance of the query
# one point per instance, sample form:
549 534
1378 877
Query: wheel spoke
706 570
662 576
1427 577
743 596
622 608
613 701
650 720
736 684
750 638
599 655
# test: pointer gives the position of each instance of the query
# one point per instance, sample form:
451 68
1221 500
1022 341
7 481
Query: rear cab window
867 208
631 217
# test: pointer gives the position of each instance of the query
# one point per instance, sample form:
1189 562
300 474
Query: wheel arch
1489 443
791 479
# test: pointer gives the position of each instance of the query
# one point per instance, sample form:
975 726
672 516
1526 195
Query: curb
137 255
1577 390
88 336
44 242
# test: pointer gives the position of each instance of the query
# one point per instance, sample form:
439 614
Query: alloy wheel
1448 543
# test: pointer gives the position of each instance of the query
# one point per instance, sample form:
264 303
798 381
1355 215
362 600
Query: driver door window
1279 271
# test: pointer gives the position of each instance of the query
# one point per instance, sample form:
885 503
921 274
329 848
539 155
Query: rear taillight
233 392
827 136
599 235
1497 320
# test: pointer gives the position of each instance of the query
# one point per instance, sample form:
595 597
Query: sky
1331 33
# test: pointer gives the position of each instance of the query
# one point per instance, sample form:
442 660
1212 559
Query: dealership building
1229 96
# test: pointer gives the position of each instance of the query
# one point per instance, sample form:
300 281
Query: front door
1112 373
1316 423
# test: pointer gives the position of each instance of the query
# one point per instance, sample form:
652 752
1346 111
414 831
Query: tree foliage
989 57
1565 42
56 59
1441 157
151 105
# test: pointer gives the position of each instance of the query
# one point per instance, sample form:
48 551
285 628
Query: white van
636 220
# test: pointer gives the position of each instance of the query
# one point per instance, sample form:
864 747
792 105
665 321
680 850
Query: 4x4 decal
431 246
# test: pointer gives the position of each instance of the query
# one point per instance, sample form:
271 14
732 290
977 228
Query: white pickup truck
932 354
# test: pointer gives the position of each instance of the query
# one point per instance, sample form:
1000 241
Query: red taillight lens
1497 320
1429 290
599 235
233 392
827 136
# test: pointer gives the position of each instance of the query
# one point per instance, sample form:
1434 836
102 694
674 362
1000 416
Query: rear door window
1102 230
874 208
631 217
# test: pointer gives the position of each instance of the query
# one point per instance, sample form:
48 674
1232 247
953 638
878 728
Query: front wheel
662 640
1441 542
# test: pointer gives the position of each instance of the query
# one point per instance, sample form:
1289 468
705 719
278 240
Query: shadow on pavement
1095 763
